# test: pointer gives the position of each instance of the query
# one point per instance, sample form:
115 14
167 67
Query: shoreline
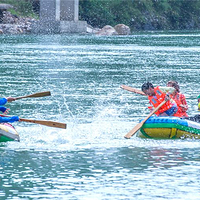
12 24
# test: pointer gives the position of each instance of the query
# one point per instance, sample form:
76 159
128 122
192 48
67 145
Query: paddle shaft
45 123
138 126
125 87
42 122
38 94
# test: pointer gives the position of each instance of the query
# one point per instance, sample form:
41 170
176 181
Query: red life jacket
158 99
178 99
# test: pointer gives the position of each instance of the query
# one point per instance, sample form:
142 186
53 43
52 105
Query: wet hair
147 86
174 85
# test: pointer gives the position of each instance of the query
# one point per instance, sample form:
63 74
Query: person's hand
6 111
10 99
150 108
183 107
167 98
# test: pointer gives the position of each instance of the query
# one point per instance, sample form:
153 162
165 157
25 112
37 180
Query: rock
1 31
12 24
107 31
92 30
9 28
4 7
8 18
122 29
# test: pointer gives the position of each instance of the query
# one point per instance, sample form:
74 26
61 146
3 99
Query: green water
91 159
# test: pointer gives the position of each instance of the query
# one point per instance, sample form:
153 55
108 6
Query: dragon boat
8 133
169 128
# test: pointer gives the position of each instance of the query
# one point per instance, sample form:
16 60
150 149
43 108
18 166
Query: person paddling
159 94
5 110
3 101
179 98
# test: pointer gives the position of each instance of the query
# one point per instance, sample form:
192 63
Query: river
91 159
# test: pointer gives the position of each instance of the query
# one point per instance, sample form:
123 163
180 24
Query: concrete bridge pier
59 16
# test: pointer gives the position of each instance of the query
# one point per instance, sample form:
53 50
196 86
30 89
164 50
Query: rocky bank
13 24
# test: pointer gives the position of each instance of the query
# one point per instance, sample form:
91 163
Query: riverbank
16 17
137 15
12 24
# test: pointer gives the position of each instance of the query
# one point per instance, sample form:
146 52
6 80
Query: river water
91 159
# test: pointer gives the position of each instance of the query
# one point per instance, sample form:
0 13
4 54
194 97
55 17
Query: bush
142 14
21 7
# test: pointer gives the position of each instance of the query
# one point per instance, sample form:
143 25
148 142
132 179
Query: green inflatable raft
169 128
8 133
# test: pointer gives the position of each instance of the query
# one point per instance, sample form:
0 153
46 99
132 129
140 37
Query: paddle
38 94
125 87
43 122
138 126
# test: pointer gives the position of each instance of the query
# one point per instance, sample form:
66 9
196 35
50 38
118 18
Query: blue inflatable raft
169 128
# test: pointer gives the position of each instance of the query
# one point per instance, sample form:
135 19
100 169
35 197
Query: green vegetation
137 14
142 14
21 7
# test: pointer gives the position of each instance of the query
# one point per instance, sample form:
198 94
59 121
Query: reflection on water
91 159
102 172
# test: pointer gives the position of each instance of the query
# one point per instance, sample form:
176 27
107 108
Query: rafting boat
169 128
8 133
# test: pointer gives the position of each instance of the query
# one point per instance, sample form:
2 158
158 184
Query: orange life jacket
178 99
158 99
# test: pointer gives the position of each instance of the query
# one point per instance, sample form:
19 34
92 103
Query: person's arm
9 119
168 90
3 109
3 101
10 99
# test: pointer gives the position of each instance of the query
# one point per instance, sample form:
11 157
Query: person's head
148 89
174 84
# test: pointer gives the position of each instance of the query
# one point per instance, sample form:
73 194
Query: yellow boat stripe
173 133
